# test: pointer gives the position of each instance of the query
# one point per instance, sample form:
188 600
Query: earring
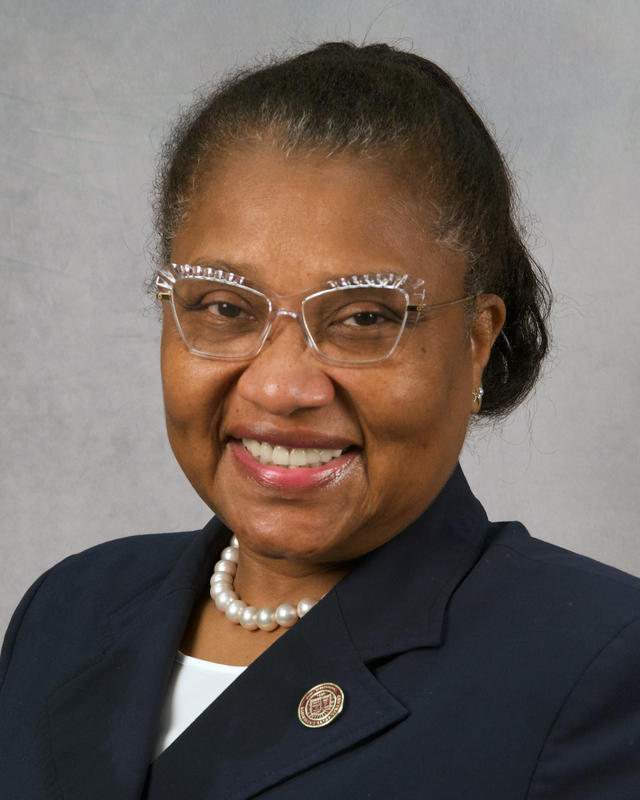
478 394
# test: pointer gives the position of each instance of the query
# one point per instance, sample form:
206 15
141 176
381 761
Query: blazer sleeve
14 626
592 751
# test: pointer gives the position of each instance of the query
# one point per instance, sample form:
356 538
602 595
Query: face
292 223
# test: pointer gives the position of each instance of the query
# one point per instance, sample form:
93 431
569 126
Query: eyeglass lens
345 324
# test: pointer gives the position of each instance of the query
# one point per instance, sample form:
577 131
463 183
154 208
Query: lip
291 480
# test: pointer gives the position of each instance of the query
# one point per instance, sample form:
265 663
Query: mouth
292 457
282 467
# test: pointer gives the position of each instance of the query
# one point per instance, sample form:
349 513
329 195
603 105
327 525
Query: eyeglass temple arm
424 307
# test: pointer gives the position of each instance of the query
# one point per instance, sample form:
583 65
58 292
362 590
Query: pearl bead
224 598
230 554
248 618
219 588
221 577
234 542
265 619
305 605
285 615
226 566
234 610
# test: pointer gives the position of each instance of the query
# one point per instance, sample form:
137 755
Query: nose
286 377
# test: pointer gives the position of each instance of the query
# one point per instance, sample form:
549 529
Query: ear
487 323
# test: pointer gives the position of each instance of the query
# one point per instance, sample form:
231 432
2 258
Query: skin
292 223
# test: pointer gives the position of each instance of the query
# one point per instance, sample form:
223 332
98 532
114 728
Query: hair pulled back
380 102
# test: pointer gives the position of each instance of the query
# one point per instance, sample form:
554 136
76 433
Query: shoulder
582 620
125 557
546 644
75 595
539 570
546 612
108 570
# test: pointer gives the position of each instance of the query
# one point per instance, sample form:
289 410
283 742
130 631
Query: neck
262 581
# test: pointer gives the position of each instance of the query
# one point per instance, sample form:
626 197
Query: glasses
356 319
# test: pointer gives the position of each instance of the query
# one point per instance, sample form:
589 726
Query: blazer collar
422 566
103 720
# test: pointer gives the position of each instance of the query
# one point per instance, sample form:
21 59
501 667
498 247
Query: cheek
422 410
194 389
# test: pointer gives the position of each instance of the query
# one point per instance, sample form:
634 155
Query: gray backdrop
87 88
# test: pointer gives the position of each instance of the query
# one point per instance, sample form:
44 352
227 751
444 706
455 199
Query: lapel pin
321 705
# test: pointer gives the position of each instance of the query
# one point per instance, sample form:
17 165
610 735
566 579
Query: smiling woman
343 287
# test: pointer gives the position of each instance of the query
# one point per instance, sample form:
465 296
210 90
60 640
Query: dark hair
395 106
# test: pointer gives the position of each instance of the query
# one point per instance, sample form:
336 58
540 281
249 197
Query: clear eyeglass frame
293 305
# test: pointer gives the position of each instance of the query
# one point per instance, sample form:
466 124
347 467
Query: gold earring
478 394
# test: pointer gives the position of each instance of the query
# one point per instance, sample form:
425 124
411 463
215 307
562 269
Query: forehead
292 221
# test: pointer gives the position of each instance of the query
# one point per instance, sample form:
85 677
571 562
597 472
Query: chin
280 537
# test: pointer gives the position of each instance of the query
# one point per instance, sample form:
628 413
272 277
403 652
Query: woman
343 287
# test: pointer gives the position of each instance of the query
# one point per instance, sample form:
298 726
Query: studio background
87 90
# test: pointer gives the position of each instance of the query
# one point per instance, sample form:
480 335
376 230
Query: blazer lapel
397 600
102 721
250 738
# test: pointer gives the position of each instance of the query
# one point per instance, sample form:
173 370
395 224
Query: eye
365 315
215 299
225 304
221 308
362 319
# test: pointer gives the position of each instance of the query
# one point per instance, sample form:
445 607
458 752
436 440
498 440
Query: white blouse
194 685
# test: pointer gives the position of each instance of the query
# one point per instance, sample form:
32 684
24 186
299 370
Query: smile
293 458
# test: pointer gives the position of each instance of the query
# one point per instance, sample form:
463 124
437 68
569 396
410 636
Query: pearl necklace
251 618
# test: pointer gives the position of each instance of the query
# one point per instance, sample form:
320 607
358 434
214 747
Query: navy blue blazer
504 668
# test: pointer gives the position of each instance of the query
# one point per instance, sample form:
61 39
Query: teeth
297 457
280 456
284 457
